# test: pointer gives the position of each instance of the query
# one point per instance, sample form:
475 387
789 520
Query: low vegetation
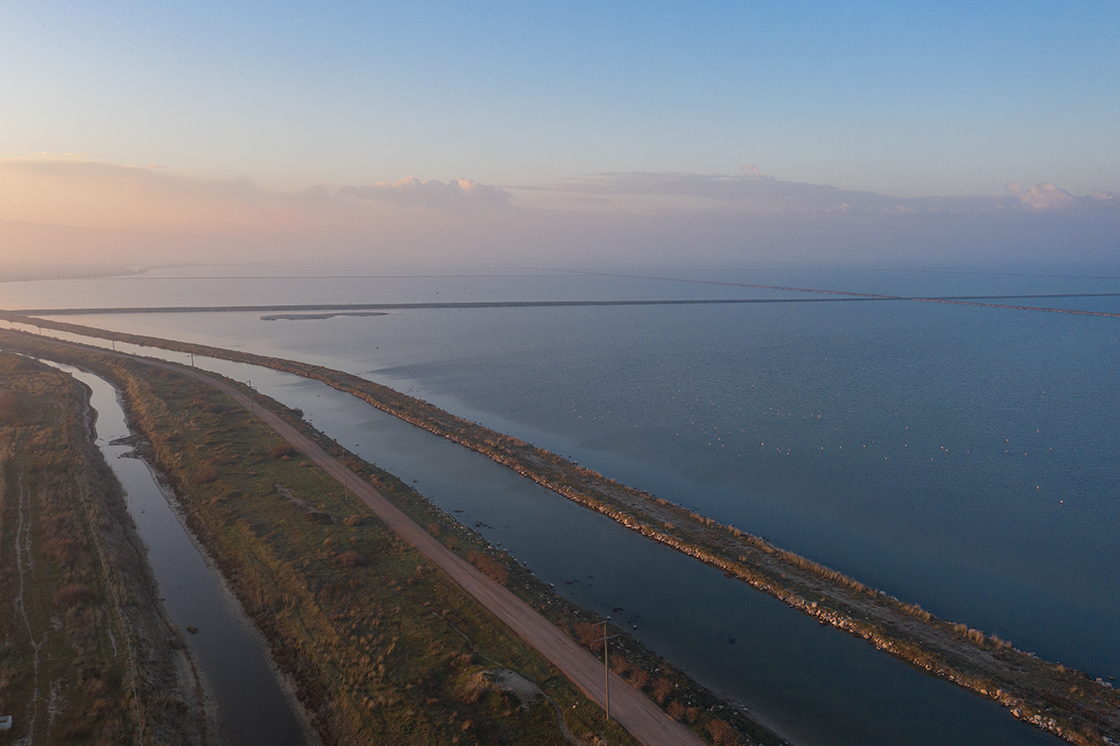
382 646
85 655
1049 696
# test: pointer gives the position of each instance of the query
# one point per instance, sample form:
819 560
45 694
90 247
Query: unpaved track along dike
629 707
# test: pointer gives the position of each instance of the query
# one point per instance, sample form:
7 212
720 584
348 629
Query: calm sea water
814 685
960 457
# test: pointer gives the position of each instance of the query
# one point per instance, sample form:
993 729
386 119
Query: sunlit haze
577 134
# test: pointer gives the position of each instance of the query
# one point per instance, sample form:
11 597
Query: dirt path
24 566
629 707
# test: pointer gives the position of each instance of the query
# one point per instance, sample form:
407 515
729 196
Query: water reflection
815 685
252 708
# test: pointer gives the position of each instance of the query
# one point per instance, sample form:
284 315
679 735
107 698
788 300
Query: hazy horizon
576 136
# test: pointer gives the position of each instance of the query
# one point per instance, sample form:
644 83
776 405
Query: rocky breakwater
1047 695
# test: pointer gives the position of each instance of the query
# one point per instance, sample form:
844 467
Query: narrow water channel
813 684
253 710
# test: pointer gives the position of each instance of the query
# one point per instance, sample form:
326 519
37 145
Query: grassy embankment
1048 695
381 645
85 655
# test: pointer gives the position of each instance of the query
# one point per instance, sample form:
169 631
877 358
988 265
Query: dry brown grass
638 678
282 451
351 559
74 594
489 567
9 407
722 733
590 635
66 563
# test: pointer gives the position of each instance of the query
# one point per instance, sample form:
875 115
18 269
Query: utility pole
342 461
607 668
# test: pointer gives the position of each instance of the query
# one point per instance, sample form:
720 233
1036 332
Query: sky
561 134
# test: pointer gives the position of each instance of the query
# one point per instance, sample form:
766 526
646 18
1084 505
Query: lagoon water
960 457
814 685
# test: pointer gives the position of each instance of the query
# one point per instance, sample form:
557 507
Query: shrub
66 552
206 475
917 611
9 406
638 678
661 690
590 635
282 451
350 559
473 693
722 733
489 567
353 520
73 595
676 710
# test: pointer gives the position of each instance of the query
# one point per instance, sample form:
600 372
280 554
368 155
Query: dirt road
629 707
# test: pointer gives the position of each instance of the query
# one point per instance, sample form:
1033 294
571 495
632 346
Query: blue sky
902 99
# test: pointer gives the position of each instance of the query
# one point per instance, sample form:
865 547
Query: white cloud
1041 196
78 211
747 192
457 195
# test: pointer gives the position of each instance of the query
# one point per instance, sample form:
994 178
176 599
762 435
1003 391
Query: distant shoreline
318 316
405 306
327 310
30 272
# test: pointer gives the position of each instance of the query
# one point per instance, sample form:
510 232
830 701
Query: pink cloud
76 211
1041 196
457 195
